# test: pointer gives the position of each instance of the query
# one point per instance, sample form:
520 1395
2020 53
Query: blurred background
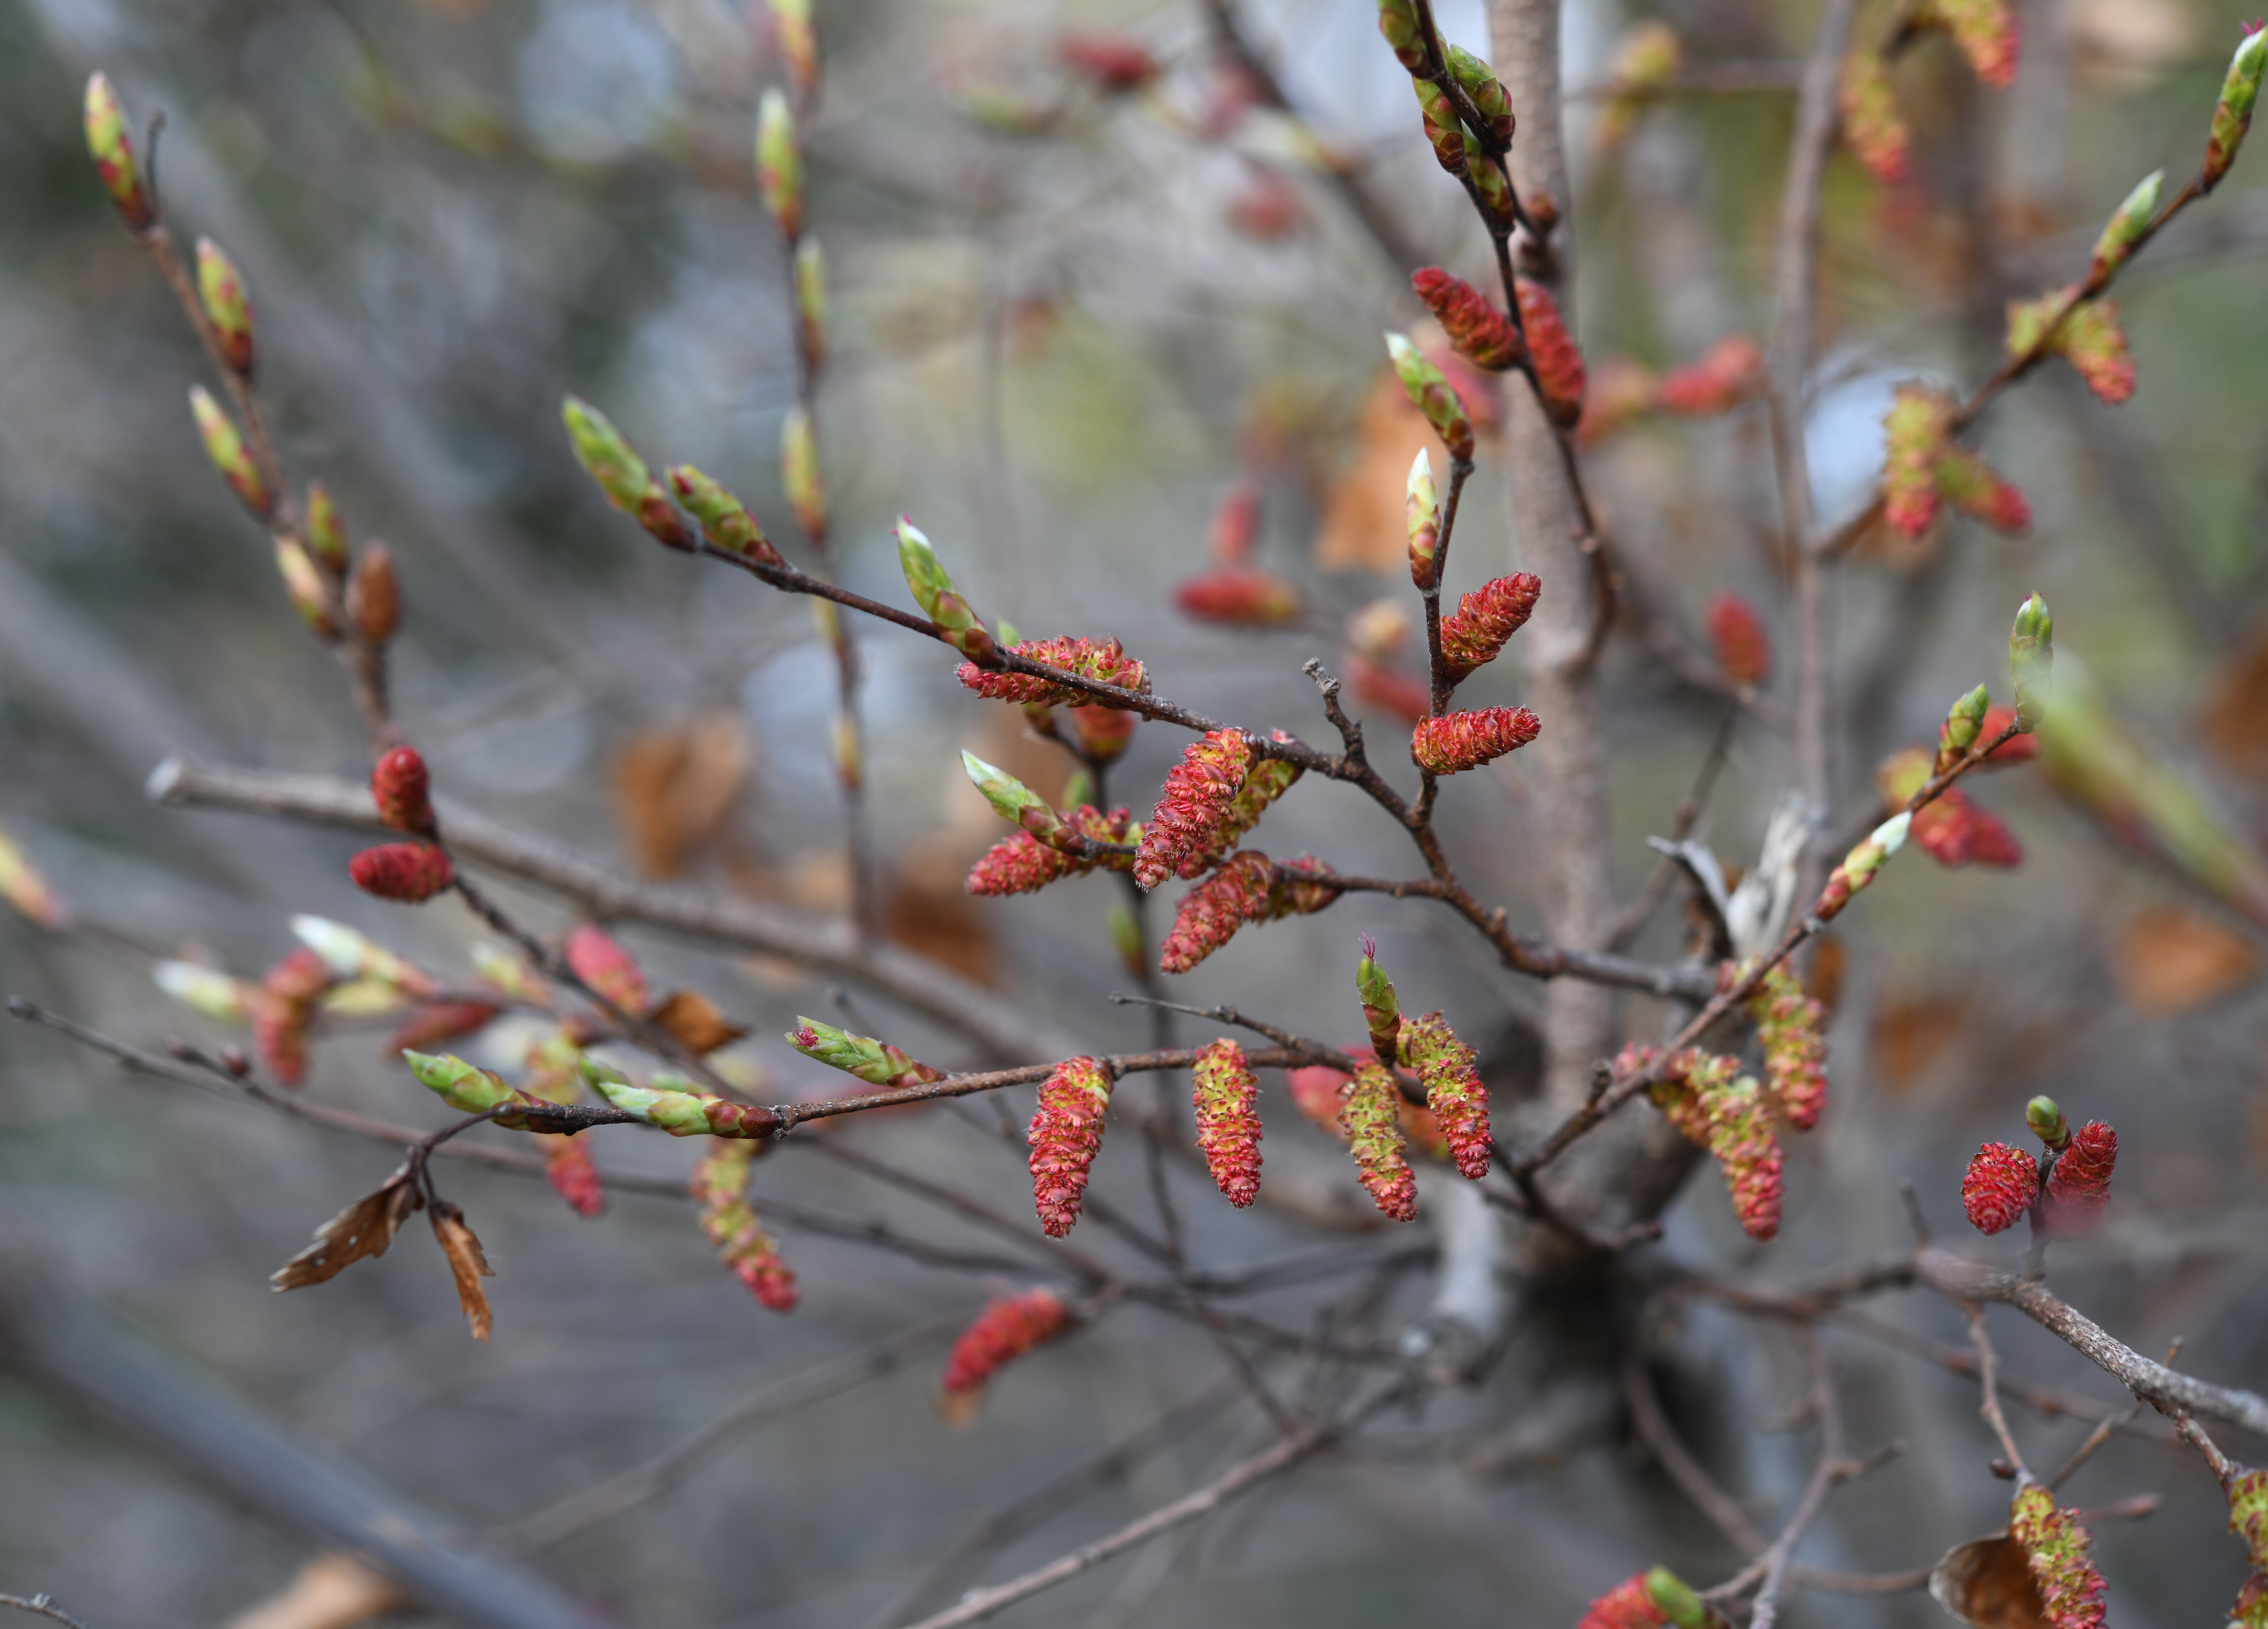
1076 313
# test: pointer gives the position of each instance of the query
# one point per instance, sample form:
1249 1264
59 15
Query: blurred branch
44 1605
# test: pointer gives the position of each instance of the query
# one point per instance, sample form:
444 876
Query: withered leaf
2171 961
364 1229
1986 1582
332 1591
693 1020
466 1264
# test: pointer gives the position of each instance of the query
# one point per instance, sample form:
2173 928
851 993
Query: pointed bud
228 308
304 584
797 44
1444 131
806 489
934 591
1381 1012
1860 865
1964 722
779 164
1397 21
113 148
2125 225
510 974
25 890
1430 392
1014 801
1421 508
2031 660
224 446
724 520
466 1090
374 596
2232 116
622 475
1489 99
811 301
347 955
678 1107
877 1062
327 535
411 873
1491 183
2045 1118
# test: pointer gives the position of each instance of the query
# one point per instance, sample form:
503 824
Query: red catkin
284 1011
1022 864
1211 913
1479 331
1008 1328
1627 1606
573 1175
2080 1186
411 873
2058 1553
1465 741
1239 596
1065 1136
2000 1188
1229 1124
1475 631
1373 1128
1791 1026
1455 1093
1559 364
1112 64
607 969
401 788
1737 636
1195 803
1104 662
720 1182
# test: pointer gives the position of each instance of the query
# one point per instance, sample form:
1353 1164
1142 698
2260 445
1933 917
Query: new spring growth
1444 131
348 954
678 1107
720 1186
934 591
2058 1554
1005 1330
1422 508
877 1062
798 43
1381 1011
724 520
622 475
220 291
811 301
594 956
1012 800
327 533
1478 330
374 596
1490 182
401 786
1196 801
467 1089
779 165
1229 1124
1964 721
799 476
1860 865
2031 660
1999 1187
2232 116
2125 228
25 890
114 154
1489 97
224 446
1370 1118
2046 1120
1397 21
410 872
1649 1600
1429 391
304 586
1065 1136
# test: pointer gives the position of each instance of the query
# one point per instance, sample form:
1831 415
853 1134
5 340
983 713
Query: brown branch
1988 1385
44 1605
1677 1462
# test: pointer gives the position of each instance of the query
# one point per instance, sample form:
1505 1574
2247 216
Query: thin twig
44 1605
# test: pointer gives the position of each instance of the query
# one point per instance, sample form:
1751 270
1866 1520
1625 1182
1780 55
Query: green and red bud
1444 129
806 489
779 164
113 148
510 974
1397 21
1872 125
374 596
1860 865
401 786
304 584
2045 1117
877 1062
1430 391
2232 116
348 954
326 534
622 475
1489 99
462 1086
1381 1011
1491 182
206 989
811 301
672 1103
2125 228
1964 722
798 43
224 446
1014 801
724 520
1676 1601
1421 507
2031 660
228 308
940 601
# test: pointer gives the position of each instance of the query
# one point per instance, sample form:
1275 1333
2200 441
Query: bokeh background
1067 325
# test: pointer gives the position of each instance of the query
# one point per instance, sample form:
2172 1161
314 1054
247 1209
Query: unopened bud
114 154
939 601
1489 180
1430 391
1963 722
1489 99
622 475
408 872
1422 509
2031 660
877 1062
463 1087
310 593
1381 1011
1675 1599
811 301
2045 1118
798 43
724 520
1014 801
1860 865
1443 129
1397 21
224 446
806 490
204 990
401 787
220 291
374 596
327 535
2124 227
779 165
2232 116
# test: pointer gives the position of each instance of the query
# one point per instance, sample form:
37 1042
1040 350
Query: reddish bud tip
2080 1186
399 786
607 969
408 872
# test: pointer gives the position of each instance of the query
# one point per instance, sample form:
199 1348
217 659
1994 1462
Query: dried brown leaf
2234 718
694 1021
1911 1035
364 1229
1362 524
466 1264
674 784
2171 960
1987 1582
332 1591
